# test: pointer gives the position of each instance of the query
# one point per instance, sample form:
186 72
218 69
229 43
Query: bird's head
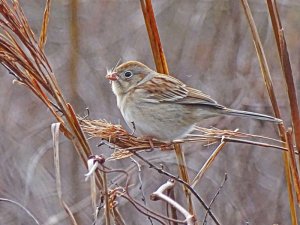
128 76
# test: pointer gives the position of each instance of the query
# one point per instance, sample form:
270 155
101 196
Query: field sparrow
162 107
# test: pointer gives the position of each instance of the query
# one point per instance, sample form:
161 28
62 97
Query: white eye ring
128 74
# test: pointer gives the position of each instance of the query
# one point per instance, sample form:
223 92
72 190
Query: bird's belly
159 121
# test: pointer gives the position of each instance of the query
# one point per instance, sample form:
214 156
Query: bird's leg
151 145
134 128
150 141
144 137
167 146
86 115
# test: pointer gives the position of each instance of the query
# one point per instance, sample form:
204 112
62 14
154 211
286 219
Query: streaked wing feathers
163 88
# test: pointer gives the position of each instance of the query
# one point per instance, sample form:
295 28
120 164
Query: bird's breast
127 105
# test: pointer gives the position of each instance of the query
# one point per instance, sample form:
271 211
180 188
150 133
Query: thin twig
161 171
214 198
140 207
141 183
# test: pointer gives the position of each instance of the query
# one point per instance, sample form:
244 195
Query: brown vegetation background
208 45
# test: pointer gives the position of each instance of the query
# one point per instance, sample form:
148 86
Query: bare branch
189 219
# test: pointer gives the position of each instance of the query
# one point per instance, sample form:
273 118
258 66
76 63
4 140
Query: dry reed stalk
162 67
107 203
288 77
124 143
44 29
269 85
24 58
55 136
75 45
183 174
93 186
286 68
156 46
292 159
207 164
118 219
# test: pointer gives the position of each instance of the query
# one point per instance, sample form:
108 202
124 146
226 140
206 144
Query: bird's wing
164 88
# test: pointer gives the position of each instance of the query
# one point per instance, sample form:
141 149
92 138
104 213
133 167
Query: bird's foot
167 146
150 141
151 144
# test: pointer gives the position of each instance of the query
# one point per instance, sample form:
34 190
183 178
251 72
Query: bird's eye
128 74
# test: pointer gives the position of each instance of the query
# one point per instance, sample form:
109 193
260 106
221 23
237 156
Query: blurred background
208 45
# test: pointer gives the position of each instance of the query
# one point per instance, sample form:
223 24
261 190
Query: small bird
162 107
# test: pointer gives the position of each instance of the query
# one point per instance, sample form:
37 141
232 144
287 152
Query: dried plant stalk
286 69
156 46
125 143
43 34
24 57
208 163
269 85
162 67
292 159
183 174
55 137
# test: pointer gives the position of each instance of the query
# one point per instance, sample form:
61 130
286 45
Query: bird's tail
253 115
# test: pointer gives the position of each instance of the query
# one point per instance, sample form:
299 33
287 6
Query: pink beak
112 76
